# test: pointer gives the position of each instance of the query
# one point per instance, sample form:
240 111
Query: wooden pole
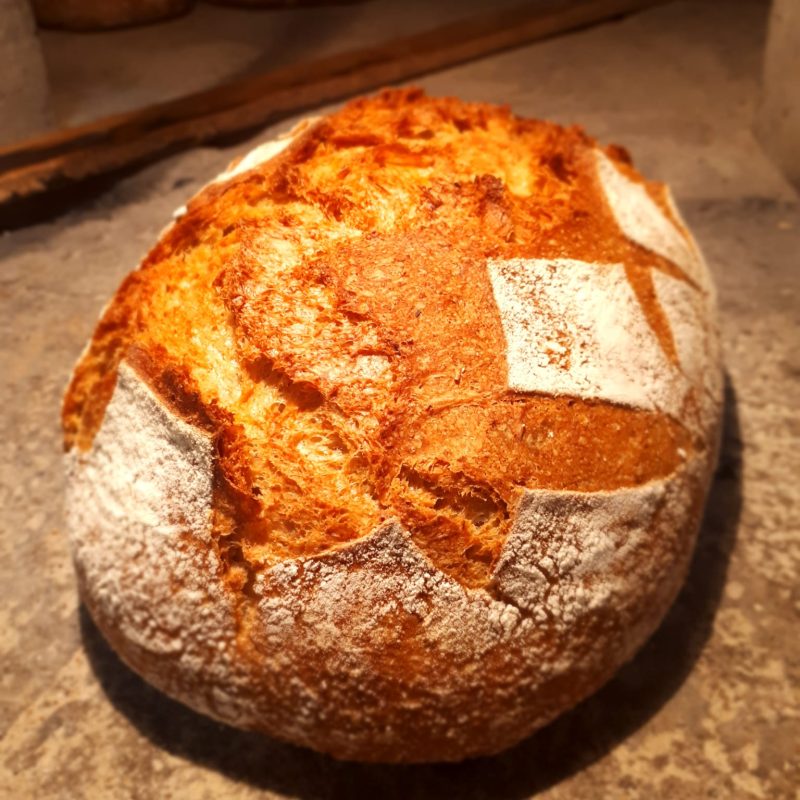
122 141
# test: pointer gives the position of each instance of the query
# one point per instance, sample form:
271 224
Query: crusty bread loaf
397 442
276 4
90 15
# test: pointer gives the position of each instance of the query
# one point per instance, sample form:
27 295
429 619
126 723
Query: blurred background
69 62
94 63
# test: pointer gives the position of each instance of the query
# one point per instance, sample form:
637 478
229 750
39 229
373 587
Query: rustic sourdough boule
397 442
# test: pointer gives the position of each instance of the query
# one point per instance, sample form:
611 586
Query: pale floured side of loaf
330 626
646 224
139 517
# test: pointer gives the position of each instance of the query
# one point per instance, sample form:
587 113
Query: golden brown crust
348 273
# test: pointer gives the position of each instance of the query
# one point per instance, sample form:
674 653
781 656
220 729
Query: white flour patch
257 156
562 557
641 220
264 152
691 319
575 328
147 467
139 517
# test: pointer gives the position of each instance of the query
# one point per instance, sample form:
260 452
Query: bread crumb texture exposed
396 443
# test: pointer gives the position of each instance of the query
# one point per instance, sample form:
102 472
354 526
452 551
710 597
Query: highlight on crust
415 410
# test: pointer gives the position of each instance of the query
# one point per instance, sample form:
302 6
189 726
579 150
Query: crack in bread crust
328 316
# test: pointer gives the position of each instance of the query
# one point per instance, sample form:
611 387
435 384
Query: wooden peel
72 155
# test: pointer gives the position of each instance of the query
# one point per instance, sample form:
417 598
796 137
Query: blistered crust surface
414 411
325 310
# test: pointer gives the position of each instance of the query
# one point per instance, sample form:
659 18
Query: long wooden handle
124 140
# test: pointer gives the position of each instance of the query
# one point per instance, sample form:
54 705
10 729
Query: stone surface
709 709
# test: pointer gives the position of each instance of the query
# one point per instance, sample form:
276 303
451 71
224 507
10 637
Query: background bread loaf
87 15
397 442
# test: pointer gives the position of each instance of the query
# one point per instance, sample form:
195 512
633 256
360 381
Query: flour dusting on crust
138 514
642 220
575 328
264 152
696 340
572 556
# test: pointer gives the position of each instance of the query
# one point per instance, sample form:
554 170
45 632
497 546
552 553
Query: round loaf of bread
279 4
397 442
